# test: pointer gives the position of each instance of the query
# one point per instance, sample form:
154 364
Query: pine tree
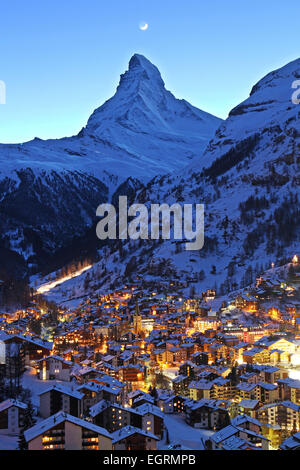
167 437
154 393
29 419
22 444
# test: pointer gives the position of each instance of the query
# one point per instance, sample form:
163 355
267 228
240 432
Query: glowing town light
295 259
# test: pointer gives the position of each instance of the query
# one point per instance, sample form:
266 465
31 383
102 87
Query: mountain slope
50 189
248 179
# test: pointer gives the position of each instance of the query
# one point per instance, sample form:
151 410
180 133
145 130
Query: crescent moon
144 26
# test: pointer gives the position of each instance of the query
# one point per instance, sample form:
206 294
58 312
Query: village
146 367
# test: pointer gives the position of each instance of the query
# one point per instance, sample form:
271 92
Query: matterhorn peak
140 72
143 122
140 62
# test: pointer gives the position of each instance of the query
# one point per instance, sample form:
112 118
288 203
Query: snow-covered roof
224 433
127 431
63 389
250 404
11 402
59 418
237 443
148 408
34 340
56 358
238 420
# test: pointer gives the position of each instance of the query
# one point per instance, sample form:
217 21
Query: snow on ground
180 432
8 442
37 386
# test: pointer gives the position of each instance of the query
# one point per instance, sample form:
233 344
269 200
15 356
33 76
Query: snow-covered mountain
49 190
248 179
142 131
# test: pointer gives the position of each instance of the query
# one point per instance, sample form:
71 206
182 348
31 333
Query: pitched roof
59 418
11 402
63 389
127 431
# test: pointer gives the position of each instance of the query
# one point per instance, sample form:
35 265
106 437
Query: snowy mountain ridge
248 179
142 131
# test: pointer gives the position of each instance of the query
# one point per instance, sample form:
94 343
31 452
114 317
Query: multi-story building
54 367
57 397
131 438
11 416
65 432
286 414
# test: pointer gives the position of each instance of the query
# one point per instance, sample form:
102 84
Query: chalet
113 416
237 351
54 368
85 374
92 394
264 392
220 388
180 385
248 407
256 355
286 414
34 347
249 377
171 403
247 302
279 349
111 384
131 438
11 416
247 422
270 374
207 414
173 355
134 395
289 389
189 369
205 323
133 374
152 419
58 397
66 432
200 358
141 400
12 355
231 442
242 427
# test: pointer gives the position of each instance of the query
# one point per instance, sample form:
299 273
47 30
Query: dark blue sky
60 59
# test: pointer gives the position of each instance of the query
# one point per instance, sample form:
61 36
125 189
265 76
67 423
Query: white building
54 368
11 416
65 432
